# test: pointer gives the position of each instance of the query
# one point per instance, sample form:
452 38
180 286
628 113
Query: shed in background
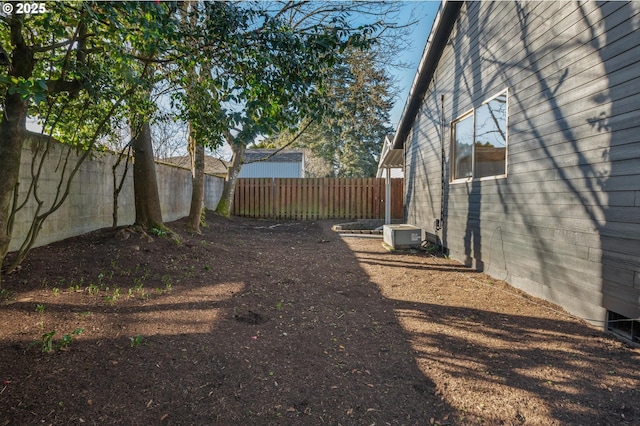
269 163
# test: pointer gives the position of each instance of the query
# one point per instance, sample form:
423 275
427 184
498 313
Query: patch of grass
40 308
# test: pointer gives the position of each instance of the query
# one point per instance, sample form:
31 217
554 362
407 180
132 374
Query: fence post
273 196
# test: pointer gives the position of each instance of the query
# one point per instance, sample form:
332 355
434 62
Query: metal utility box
402 236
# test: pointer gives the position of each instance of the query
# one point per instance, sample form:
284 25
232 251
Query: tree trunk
226 201
12 126
197 193
11 140
145 184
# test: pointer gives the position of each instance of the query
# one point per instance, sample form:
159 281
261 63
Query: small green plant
138 283
191 271
431 248
136 341
47 344
46 341
167 281
68 338
83 315
93 289
158 232
40 308
114 261
56 291
207 267
5 294
279 305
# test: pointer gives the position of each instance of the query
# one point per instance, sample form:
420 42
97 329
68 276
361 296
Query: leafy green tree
204 81
279 79
56 70
78 68
155 39
349 135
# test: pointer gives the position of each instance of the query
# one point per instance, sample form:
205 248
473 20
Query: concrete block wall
89 205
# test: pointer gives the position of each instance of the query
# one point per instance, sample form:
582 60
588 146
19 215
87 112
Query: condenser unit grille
402 236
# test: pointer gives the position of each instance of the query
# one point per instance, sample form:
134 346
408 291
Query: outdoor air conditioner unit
402 236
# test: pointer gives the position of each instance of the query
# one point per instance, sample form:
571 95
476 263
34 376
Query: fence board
316 198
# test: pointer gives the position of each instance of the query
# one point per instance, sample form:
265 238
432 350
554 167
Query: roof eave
440 31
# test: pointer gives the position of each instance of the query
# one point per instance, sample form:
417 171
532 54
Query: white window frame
452 134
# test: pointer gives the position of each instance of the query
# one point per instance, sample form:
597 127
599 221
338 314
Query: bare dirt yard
287 323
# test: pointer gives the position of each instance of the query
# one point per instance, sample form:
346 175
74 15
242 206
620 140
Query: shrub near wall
89 205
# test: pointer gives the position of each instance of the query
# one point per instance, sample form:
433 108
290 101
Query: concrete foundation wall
89 204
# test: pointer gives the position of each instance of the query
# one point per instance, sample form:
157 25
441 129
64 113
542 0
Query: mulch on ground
265 322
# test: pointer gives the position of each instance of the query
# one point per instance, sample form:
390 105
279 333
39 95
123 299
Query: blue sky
424 12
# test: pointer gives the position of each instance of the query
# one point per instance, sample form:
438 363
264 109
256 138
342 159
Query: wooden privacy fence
316 198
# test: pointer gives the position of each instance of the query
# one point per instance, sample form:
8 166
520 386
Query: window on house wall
463 148
479 147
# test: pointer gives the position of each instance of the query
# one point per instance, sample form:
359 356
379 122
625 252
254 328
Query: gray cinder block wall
89 205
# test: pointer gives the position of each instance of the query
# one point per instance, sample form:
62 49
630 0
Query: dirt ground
262 322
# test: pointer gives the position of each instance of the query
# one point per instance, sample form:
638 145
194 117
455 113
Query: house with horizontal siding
271 163
521 139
